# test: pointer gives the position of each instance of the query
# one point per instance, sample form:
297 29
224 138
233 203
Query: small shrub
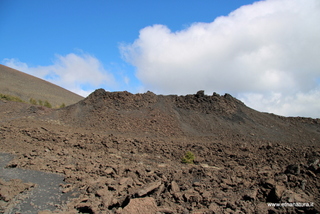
40 102
63 105
188 158
33 101
47 104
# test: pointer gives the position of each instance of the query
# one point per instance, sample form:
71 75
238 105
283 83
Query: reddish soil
122 152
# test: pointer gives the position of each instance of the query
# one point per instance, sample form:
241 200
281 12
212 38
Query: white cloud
268 49
306 104
80 74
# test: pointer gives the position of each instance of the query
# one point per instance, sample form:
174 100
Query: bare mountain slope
25 86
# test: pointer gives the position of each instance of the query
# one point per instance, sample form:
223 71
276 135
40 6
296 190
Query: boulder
174 187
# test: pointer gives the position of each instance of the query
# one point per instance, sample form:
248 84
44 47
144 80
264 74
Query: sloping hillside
25 86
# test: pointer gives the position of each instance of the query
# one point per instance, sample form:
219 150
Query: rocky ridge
190 115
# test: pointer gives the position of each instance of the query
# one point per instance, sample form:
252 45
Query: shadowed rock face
123 151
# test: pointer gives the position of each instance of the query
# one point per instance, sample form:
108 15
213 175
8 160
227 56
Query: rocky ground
122 154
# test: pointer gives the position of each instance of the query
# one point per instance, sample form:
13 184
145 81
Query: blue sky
250 49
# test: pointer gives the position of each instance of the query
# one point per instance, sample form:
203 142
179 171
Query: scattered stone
281 178
67 189
303 184
148 188
196 184
192 196
231 206
250 195
215 208
109 171
293 169
291 197
310 173
84 208
276 194
106 196
314 166
270 183
140 206
261 207
160 190
165 210
174 187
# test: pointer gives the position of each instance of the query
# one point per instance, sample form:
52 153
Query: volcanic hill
25 87
197 115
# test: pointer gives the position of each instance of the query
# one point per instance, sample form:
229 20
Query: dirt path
46 194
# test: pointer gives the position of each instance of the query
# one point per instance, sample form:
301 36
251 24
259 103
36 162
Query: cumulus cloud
264 53
80 74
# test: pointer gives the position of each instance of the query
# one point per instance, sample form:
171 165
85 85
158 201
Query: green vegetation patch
188 158
31 101
10 98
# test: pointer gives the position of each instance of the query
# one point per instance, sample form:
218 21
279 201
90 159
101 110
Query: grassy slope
25 86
